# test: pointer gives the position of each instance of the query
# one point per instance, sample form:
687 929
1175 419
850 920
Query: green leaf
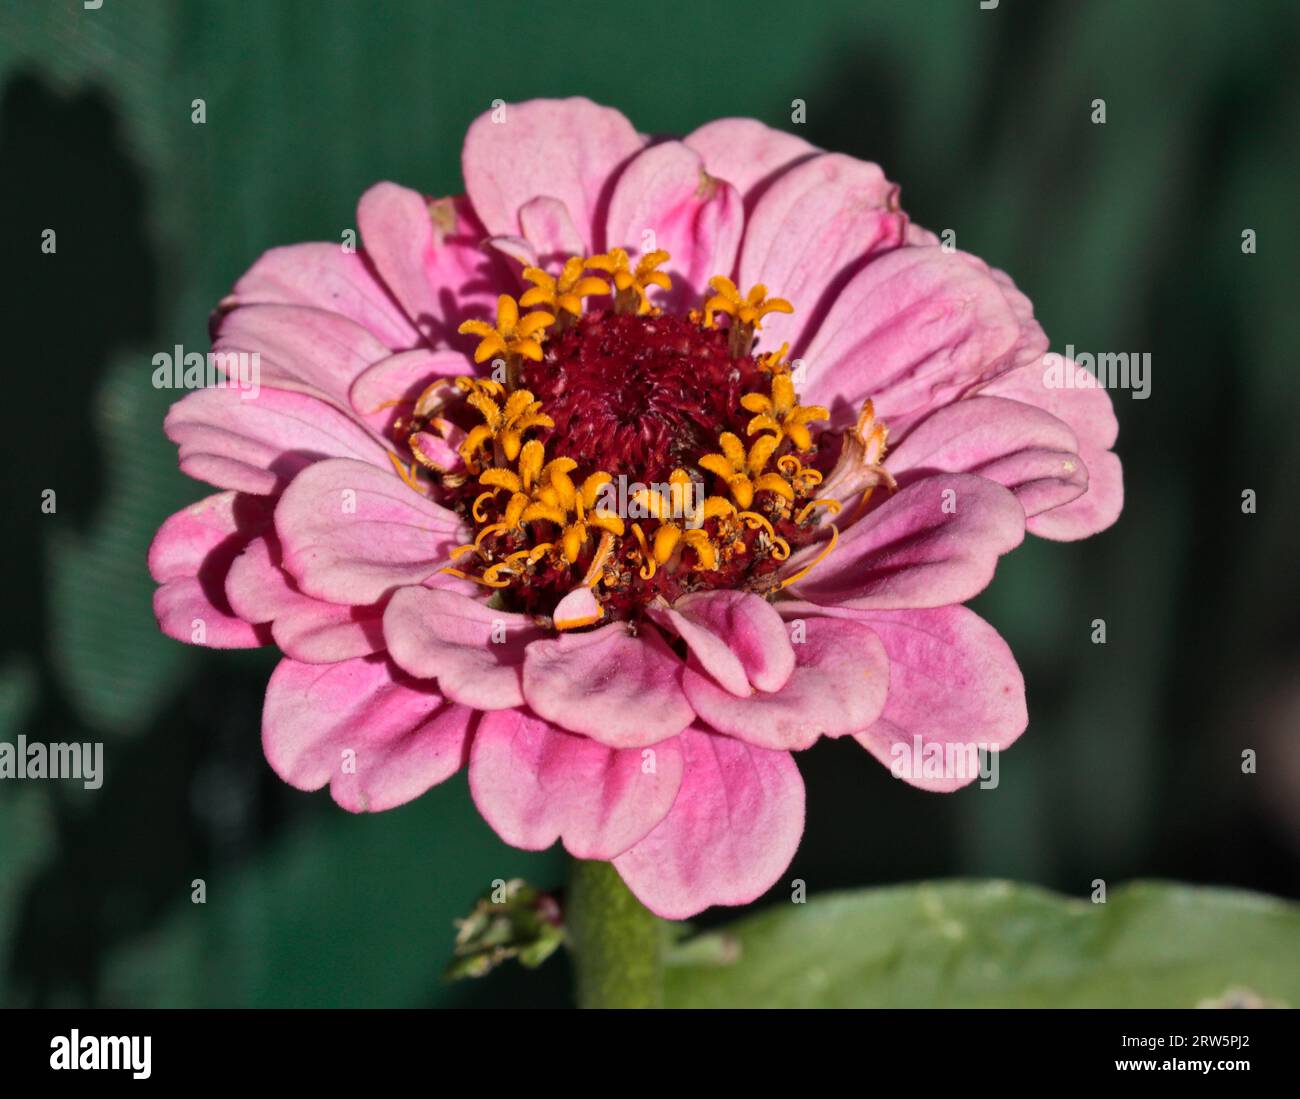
998 944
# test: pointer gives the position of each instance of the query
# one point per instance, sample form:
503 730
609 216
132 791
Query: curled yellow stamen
406 474
487 532
774 361
830 545
649 566
754 521
490 576
603 550
476 509
829 503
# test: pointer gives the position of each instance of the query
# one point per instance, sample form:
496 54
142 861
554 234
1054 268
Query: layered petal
307 629
476 653
326 276
535 783
565 149
300 349
190 557
1019 446
1069 392
257 444
549 229
378 739
954 688
427 252
912 330
696 218
394 384
619 688
838 686
730 834
352 532
747 154
935 542
815 227
737 637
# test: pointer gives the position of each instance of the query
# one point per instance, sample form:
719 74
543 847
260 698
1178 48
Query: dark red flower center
640 396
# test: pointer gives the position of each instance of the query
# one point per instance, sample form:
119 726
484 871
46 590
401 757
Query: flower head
627 576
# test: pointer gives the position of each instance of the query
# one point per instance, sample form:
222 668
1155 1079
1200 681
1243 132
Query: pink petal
324 276
577 609
1082 403
535 783
1087 408
381 389
814 228
304 628
621 689
1021 447
427 253
476 653
730 834
377 739
911 330
352 532
567 149
911 552
952 682
549 228
838 686
1095 510
694 217
190 557
737 637
300 349
747 154
515 248
257 444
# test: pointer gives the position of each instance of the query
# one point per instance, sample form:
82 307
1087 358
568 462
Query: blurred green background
1127 236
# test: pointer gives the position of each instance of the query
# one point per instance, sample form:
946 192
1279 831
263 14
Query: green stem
617 945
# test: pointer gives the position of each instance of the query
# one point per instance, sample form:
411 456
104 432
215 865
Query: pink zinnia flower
621 478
